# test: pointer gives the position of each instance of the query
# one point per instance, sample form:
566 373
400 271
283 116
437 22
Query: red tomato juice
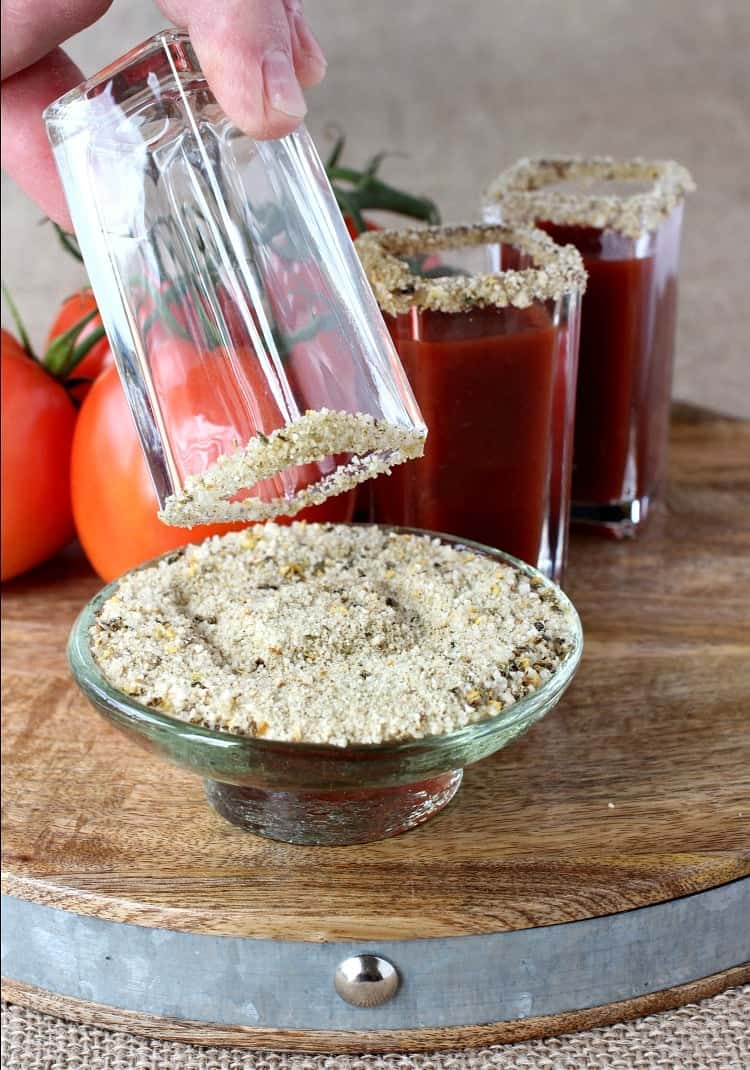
484 380
624 373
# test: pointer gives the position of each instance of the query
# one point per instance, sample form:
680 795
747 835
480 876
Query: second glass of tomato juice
485 320
624 216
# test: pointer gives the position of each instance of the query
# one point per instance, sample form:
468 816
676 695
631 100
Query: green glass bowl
319 793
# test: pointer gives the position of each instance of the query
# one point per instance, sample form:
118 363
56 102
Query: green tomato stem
19 324
63 354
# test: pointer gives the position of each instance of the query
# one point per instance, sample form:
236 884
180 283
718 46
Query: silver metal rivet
366 980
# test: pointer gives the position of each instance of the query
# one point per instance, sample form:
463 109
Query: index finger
26 152
32 30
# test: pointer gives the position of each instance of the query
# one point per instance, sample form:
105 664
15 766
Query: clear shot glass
256 364
485 320
625 218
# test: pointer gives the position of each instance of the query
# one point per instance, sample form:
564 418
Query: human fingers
30 30
26 152
245 50
309 60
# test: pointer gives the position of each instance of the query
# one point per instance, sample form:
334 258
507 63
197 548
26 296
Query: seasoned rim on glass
557 269
87 673
522 193
375 447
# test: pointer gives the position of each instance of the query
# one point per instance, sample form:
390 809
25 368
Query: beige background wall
461 89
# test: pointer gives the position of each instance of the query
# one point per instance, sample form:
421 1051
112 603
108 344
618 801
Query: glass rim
93 683
374 447
522 192
556 269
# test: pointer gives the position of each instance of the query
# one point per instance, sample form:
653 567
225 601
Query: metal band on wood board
451 981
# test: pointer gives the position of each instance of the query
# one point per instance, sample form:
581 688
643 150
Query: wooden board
635 790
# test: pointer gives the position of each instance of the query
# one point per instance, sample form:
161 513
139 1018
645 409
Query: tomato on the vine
37 431
73 310
360 190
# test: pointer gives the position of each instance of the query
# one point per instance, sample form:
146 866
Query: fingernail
309 44
282 88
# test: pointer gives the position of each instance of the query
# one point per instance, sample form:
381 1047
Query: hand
258 55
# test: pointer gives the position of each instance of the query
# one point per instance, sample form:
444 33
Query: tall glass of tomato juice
485 321
625 218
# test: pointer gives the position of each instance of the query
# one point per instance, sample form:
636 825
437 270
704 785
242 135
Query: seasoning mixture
330 634
386 254
528 192
375 448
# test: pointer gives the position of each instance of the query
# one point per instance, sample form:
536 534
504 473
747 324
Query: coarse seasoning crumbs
376 447
330 633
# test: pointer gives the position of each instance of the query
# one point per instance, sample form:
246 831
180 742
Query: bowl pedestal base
333 817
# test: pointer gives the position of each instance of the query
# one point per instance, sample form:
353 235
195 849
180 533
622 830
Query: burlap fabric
711 1035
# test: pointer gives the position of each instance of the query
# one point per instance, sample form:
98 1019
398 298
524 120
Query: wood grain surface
636 789
404 1040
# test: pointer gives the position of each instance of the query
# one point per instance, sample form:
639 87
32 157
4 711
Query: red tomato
11 346
37 430
114 504
72 311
